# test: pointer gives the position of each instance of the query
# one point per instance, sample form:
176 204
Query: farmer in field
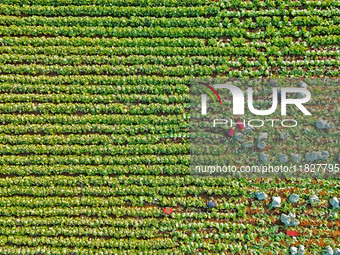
239 126
211 203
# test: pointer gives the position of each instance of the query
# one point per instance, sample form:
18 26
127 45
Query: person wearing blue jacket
211 203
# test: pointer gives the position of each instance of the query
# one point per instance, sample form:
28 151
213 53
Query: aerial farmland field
108 109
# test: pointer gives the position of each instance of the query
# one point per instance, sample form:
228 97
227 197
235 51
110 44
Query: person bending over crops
211 203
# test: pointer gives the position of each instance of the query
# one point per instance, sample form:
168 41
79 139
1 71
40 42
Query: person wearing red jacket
231 131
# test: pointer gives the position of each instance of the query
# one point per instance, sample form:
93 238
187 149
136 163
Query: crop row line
157 42
209 51
79 60
236 70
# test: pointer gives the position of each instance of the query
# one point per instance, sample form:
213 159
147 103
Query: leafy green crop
95 125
